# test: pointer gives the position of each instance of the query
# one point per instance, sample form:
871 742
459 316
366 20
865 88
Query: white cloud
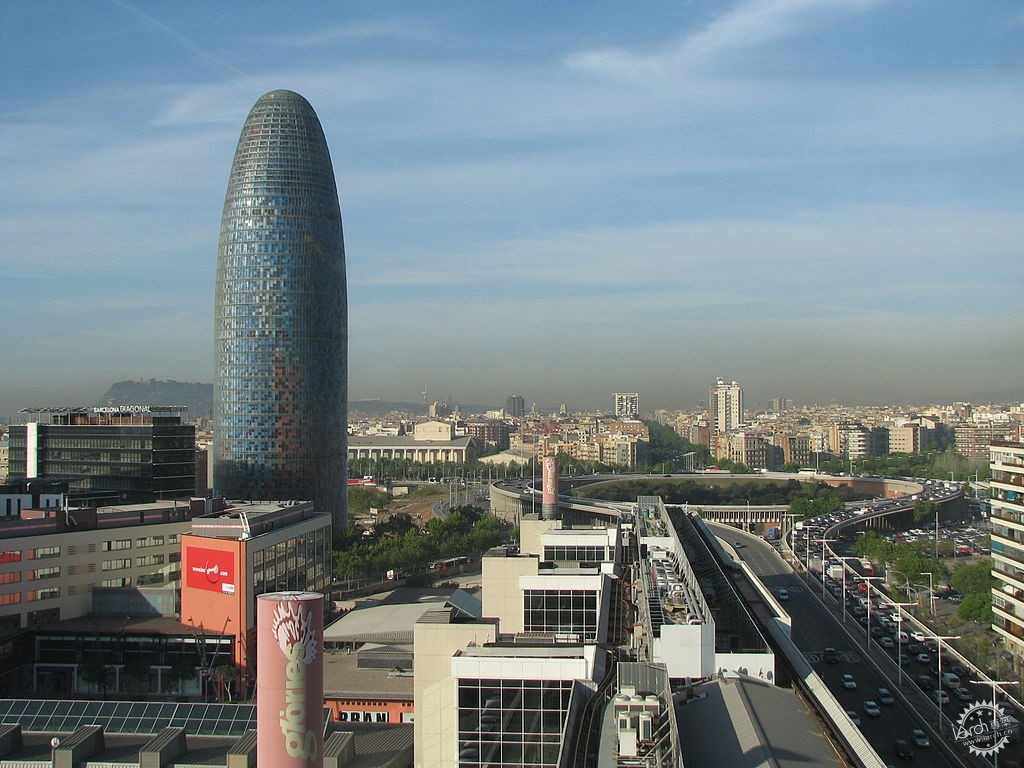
748 26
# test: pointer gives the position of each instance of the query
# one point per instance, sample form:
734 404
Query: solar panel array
127 717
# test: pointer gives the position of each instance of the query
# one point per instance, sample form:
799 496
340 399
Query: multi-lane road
816 628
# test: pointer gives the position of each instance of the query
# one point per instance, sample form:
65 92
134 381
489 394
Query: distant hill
196 395
199 399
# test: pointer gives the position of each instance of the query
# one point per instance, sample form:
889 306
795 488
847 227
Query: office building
515 406
726 406
281 316
627 405
231 557
130 454
1007 486
56 563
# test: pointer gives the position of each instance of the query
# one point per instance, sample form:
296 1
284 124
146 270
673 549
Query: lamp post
823 541
899 638
785 531
995 686
931 589
867 633
938 651
842 602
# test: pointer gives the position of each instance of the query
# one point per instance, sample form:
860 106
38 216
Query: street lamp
899 637
931 589
938 650
786 532
842 601
995 686
823 542
869 579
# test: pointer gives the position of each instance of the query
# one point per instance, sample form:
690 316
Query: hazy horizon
818 198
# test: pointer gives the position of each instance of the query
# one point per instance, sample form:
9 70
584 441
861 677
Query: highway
814 628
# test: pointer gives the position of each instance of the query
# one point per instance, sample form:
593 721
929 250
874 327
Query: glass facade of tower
281 315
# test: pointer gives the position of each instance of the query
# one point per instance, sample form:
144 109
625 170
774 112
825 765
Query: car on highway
783 594
920 737
871 708
831 656
885 696
924 658
903 750
964 694
886 642
941 697
849 683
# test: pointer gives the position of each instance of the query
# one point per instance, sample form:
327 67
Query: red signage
210 569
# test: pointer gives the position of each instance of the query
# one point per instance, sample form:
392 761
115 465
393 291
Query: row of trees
910 562
399 544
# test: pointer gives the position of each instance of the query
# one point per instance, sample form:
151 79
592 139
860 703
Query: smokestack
549 501
290 681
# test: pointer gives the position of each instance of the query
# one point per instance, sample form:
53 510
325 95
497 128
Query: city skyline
817 199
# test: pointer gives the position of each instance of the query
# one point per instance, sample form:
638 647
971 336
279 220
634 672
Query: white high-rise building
726 405
627 405
1007 465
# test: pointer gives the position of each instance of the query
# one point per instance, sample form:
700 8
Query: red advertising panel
290 685
210 569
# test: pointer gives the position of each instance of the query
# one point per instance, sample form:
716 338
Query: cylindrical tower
281 316
290 680
549 501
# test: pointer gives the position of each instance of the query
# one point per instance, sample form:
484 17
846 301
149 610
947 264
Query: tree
925 510
95 672
976 607
973 579
225 675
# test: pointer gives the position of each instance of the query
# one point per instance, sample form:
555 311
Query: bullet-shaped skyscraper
281 315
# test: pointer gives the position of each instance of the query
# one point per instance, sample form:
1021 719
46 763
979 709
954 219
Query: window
125 582
40 552
44 594
116 565
11 599
149 541
561 610
149 560
45 573
117 545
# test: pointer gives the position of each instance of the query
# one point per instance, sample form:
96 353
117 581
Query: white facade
726 405
1007 465
627 404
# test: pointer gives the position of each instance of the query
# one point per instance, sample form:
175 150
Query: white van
902 637
950 680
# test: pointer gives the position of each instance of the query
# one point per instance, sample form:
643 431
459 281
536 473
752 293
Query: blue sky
819 198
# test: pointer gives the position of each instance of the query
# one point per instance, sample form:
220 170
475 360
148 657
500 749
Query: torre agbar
281 315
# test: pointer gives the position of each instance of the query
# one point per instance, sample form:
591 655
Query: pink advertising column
549 501
290 680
